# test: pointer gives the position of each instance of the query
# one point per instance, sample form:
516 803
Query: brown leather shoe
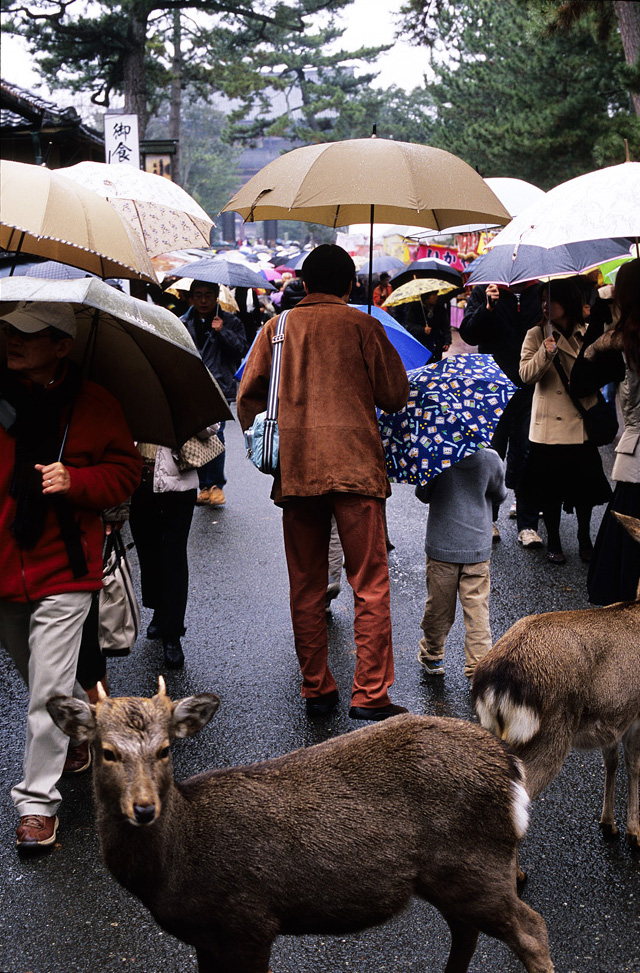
216 497
36 832
78 759
376 712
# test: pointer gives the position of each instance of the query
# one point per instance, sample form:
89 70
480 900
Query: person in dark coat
496 319
429 322
221 340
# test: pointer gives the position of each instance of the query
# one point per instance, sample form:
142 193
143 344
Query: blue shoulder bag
261 438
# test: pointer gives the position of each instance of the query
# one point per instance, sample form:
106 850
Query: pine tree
512 102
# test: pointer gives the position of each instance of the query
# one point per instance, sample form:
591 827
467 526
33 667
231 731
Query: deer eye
108 755
163 754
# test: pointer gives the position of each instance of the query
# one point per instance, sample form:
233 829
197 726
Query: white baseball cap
33 316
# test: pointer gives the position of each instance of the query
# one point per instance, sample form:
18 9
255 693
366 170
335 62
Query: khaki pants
43 639
444 582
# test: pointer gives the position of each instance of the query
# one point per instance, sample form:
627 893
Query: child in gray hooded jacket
458 547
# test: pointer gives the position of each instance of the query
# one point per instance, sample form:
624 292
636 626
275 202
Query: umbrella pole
370 261
15 257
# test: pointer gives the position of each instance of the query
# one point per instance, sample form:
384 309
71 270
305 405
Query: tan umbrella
337 183
164 215
414 289
44 214
141 352
369 180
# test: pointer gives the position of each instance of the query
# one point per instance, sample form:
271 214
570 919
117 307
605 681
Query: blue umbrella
515 264
453 410
413 354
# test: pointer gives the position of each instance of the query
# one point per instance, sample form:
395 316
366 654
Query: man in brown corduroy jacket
337 366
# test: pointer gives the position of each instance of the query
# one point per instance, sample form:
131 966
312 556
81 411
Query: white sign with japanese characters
121 139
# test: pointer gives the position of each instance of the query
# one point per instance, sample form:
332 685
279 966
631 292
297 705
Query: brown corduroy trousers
307 527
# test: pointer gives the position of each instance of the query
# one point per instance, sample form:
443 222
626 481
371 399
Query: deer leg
544 755
610 757
463 945
525 932
631 744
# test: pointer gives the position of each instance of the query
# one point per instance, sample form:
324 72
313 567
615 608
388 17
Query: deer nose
144 813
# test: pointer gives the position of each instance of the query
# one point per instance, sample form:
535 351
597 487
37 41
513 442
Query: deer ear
73 716
192 713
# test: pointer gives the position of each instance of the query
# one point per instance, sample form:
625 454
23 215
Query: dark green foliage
513 101
120 47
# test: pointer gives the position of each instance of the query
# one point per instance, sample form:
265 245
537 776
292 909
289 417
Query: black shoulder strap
565 381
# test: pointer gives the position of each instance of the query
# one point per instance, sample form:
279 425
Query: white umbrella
141 352
599 205
163 214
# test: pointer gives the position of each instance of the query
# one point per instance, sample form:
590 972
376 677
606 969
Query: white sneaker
513 512
529 538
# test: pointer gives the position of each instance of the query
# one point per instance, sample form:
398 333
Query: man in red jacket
66 453
337 366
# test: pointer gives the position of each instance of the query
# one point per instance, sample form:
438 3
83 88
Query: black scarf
37 431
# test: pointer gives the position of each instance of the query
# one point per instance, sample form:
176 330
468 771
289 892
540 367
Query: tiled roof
20 109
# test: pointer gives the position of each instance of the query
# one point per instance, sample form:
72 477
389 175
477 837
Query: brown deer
569 679
329 839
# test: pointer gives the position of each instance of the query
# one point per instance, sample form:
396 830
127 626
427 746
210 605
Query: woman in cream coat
563 468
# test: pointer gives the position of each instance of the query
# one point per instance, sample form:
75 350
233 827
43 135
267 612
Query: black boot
154 630
173 654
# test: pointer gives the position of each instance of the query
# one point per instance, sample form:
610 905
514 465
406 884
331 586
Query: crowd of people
68 463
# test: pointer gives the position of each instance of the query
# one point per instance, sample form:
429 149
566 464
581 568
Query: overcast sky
368 23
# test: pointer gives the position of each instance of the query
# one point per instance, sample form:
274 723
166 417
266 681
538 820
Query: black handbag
600 421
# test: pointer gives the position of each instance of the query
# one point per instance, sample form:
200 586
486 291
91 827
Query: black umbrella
428 267
382 264
217 270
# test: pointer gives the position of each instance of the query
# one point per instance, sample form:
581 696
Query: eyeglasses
11 332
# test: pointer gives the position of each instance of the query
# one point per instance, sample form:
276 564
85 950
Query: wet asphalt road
63 913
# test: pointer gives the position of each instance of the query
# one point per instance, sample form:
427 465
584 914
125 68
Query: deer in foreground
329 839
569 679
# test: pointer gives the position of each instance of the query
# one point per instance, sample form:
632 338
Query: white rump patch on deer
520 809
512 722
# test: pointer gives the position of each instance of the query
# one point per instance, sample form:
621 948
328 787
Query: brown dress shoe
216 497
203 497
376 712
36 832
78 758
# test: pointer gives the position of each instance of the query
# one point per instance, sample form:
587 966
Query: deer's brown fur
329 839
569 679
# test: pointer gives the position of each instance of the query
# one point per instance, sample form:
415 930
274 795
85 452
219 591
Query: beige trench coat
554 417
337 366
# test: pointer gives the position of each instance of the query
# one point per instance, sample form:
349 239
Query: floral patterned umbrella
164 215
453 410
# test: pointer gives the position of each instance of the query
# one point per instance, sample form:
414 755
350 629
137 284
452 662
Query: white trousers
43 639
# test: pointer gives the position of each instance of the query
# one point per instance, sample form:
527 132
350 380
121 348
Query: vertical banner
121 139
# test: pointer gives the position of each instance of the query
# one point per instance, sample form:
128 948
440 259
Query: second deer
569 679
